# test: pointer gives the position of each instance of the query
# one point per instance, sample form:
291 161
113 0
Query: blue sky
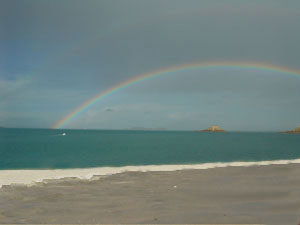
55 55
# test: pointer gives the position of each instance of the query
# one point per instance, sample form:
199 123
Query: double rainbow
164 71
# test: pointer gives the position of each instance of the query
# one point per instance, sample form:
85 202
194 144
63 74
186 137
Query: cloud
99 50
12 89
124 116
109 110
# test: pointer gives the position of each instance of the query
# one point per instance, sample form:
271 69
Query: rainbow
164 71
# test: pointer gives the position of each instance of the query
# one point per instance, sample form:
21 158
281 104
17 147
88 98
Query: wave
31 177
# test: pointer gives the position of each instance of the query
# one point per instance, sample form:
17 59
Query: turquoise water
42 148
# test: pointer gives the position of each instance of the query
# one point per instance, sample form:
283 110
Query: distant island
295 131
211 129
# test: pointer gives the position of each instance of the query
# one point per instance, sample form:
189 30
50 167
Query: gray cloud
109 110
55 55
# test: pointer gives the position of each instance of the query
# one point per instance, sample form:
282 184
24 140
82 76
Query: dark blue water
42 148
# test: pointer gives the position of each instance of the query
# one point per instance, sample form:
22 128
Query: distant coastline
294 131
210 129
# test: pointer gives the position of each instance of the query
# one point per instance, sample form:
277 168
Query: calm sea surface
42 148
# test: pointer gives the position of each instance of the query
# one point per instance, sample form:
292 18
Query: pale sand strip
29 177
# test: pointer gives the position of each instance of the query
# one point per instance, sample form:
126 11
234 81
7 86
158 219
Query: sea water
45 149
42 148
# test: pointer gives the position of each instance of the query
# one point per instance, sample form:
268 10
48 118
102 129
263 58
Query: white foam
30 177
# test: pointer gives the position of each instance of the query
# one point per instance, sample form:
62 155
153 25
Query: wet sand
232 195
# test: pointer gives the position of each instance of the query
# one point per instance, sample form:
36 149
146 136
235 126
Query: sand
29 177
233 195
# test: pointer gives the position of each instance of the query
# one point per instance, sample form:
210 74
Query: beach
265 194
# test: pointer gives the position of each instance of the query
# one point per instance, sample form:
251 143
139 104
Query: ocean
49 149
28 156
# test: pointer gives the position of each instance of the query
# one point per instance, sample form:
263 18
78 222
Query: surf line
165 71
33 176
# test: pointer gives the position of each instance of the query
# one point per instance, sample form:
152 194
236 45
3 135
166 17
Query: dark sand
234 195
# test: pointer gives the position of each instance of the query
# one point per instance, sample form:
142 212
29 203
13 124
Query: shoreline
35 176
233 195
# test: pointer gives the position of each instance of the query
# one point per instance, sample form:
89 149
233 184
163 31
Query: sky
55 55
